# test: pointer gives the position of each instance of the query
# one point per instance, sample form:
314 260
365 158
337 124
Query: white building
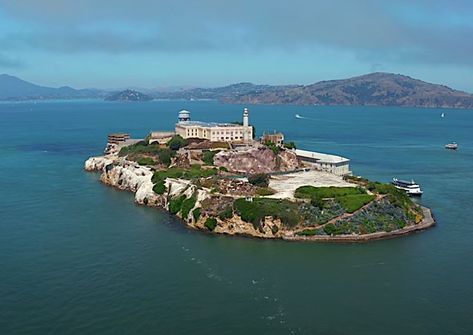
330 163
215 132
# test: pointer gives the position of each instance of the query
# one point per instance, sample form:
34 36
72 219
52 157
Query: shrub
264 191
255 211
175 204
165 155
368 227
159 187
176 142
260 179
210 223
141 147
146 161
290 145
227 213
223 168
187 205
196 213
271 145
340 228
307 232
208 156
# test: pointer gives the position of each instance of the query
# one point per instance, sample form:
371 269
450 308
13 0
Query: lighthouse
246 125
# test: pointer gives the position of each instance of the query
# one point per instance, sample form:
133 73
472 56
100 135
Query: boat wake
298 116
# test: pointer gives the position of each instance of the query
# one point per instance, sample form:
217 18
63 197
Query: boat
451 146
410 187
442 115
298 116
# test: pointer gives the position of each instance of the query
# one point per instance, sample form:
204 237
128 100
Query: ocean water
78 257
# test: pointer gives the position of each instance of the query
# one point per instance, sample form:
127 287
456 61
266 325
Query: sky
206 43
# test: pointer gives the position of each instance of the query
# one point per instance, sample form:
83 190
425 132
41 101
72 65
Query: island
216 177
129 95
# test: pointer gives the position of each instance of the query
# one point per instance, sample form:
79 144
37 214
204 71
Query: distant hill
219 93
129 95
376 89
13 88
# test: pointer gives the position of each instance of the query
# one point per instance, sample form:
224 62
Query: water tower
184 116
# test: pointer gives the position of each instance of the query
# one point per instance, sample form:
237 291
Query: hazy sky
153 43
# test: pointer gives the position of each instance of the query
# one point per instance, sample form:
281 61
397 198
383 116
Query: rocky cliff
257 160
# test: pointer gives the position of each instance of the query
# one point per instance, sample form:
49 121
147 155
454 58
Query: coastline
127 175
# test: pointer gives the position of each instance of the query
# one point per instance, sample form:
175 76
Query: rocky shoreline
130 176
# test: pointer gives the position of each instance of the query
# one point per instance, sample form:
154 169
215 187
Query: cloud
375 31
10 63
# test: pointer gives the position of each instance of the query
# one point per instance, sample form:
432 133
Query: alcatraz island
217 177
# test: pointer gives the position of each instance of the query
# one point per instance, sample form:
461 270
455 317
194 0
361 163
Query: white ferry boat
410 187
451 146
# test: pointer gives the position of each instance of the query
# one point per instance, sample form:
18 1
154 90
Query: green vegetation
145 161
264 191
141 147
194 172
159 187
210 223
309 192
196 213
175 204
176 142
271 145
344 227
223 169
255 211
208 156
165 155
147 154
396 197
260 180
350 198
227 213
187 205
290 145
308 232
352 203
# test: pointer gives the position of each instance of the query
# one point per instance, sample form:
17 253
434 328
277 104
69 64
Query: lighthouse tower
246 126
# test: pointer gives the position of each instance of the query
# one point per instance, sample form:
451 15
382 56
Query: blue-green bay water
78 257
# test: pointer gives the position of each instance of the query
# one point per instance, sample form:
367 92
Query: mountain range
13 88
375 89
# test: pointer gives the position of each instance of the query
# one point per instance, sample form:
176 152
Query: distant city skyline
149 44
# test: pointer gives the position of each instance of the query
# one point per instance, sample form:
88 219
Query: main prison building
215 132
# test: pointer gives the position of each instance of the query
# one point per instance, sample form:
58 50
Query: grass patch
309 192
352 203
210 224
255 211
